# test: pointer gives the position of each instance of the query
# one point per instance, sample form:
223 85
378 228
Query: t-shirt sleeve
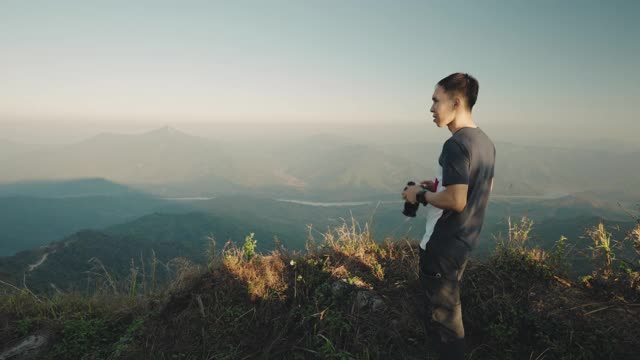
455 164
494 161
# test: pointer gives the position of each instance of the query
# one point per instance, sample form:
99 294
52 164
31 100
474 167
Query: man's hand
410 193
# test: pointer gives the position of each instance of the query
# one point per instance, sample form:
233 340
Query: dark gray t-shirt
468 157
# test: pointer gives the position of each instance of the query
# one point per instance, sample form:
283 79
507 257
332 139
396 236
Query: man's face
443 109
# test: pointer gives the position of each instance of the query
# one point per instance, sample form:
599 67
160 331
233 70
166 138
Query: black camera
409 208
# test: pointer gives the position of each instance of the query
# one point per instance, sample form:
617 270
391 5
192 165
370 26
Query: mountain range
169 162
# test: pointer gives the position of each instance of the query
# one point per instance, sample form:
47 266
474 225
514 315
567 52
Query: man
467 164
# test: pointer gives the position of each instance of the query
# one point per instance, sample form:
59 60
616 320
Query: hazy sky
562 68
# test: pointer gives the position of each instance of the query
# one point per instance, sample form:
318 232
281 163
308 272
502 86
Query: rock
368 299
362 299
377 304
339 287
30 347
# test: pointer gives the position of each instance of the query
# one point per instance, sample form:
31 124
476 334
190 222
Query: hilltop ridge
347 297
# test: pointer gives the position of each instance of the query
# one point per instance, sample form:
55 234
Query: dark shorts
440 274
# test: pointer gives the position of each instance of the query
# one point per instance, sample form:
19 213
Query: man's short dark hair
461 84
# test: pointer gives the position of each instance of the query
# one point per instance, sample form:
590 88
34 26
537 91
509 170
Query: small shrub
602 248
80 338
557 259
23 326
249 247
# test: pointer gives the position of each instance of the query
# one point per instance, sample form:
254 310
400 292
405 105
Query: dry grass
347 297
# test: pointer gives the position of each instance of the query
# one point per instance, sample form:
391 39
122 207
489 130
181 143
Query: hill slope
36 213
185 233
348 298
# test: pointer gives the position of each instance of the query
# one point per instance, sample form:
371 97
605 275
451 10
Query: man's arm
454 197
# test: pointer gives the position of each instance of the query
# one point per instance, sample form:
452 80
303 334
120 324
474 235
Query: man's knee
447 322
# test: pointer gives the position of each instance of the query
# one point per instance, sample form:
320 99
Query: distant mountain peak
169 129
166 131
162 132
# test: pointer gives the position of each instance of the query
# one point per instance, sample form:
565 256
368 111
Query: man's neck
462 121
